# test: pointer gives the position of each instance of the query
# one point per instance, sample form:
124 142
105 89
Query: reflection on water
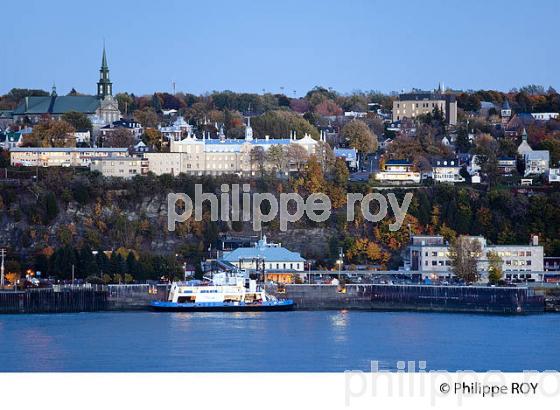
276 341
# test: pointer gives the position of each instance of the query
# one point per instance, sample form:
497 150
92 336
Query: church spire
104 85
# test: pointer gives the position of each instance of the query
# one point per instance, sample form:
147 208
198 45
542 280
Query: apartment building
118 167
62 157
412 105
430 256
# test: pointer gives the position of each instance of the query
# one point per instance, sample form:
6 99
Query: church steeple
104 85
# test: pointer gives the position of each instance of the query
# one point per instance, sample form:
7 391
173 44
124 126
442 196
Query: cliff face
31 220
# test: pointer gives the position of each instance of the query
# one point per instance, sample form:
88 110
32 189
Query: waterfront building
431 257
280 264
61 157
398 172
97 107
120 167
412 105
447 170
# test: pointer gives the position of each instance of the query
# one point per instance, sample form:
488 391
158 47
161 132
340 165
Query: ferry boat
217 296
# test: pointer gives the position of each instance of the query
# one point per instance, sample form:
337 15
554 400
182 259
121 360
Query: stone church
102 109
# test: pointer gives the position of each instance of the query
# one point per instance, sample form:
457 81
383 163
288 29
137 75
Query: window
434 263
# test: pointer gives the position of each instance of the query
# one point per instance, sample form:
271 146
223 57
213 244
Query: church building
102 109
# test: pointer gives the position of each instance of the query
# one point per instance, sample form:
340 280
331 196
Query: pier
58 299
476 299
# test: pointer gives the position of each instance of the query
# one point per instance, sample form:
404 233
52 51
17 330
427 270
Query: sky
285 46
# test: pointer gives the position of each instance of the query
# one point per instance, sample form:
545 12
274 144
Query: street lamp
340 261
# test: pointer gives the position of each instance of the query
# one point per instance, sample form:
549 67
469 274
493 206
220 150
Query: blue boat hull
281 305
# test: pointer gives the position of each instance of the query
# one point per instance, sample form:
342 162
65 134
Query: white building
431 257
82 137
61 157
398 172
537 162
177 130
274 257
208 156
554 175
544 116
447 170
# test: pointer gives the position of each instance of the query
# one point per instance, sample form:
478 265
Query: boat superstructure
226 292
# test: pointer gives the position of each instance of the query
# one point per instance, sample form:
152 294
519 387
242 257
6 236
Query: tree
78 120
119 138
297 155
464 254
277 156
258 159
147 117
152 137
494 268
340 172
328 108
314 176
359 136
52 133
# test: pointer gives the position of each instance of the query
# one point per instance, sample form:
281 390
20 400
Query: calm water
276 341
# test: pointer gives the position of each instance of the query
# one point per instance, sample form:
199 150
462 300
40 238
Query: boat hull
278 306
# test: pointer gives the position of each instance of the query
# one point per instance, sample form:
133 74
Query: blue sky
296 44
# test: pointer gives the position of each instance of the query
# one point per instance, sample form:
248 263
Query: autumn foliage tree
359 136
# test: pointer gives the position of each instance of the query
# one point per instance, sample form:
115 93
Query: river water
315 341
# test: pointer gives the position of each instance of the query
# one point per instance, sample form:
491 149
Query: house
279 264
133 126
397 172
537 162
447 170
177 130
350 155
82 137
554 175
10 139
507 165
517 123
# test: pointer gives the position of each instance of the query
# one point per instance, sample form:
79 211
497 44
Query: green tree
78 120
494 268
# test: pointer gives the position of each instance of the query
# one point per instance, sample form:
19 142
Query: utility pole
340 262
3 255
72 274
